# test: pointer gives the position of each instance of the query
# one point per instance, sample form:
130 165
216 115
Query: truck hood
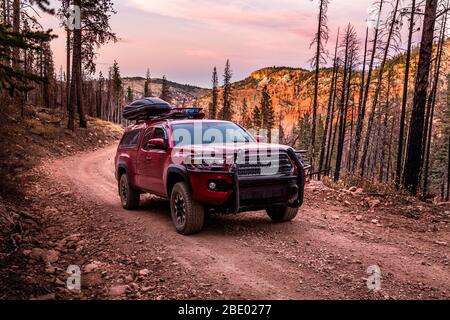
231 148
181 154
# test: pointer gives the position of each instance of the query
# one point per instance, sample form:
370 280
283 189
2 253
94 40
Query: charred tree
362 109
329 111
414 146
320 40
431 105
330 131
378 88
350 45
401 134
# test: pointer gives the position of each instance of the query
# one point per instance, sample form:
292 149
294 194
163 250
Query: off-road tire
282 213
129 197
181 204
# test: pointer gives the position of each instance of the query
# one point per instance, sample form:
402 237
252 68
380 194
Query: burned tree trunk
329 111
321 37
350 49
362 109
378 89
330 132
414 147
398 172
431 105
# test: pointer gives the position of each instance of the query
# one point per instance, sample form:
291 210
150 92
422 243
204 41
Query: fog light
212 185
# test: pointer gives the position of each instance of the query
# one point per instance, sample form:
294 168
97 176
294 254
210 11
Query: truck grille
264 165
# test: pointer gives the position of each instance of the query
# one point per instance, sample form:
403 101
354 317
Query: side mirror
260 138
157 144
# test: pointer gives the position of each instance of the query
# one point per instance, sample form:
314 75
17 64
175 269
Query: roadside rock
116 291
50 256
91 279
144 272
372 203
94 265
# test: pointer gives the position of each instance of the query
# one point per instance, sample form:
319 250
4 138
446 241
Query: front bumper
248 193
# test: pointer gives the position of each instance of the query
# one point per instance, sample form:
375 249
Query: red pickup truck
207 166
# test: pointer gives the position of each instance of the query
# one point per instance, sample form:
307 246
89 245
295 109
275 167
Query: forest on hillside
372 110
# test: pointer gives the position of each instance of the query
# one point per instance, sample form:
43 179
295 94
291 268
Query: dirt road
324 253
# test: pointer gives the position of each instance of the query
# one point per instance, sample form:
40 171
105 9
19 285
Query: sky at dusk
185 39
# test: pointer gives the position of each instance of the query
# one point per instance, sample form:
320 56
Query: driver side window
147 137
158 133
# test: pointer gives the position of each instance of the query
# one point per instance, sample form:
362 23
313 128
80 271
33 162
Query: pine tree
129 94
267 112
99 100
303 131
215 95
245 117
227 93
165 90
16 80
116 88
257 118
95 31
147 85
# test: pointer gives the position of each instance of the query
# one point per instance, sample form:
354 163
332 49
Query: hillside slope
182 94
291 89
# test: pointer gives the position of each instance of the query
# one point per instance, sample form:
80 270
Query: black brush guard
291 184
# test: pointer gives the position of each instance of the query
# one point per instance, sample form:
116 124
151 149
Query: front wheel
188 215
282 213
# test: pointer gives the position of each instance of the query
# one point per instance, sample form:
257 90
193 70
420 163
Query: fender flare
178 170
121 165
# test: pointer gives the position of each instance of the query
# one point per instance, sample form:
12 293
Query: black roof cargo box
147 107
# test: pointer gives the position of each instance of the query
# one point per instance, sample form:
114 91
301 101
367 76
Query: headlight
205 162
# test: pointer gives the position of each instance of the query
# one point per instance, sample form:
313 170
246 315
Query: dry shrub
37 127
348 180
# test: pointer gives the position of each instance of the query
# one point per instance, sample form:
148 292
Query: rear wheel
188 215
282 213
129 197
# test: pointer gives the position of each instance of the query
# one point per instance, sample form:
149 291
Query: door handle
148 158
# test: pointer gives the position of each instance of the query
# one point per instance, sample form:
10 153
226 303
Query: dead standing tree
350 45
329 119
414 146
376 94
320 40
362 108
431 105
401 139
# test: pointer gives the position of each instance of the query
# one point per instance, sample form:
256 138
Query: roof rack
175 113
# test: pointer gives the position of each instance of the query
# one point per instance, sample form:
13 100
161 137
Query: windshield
208 133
